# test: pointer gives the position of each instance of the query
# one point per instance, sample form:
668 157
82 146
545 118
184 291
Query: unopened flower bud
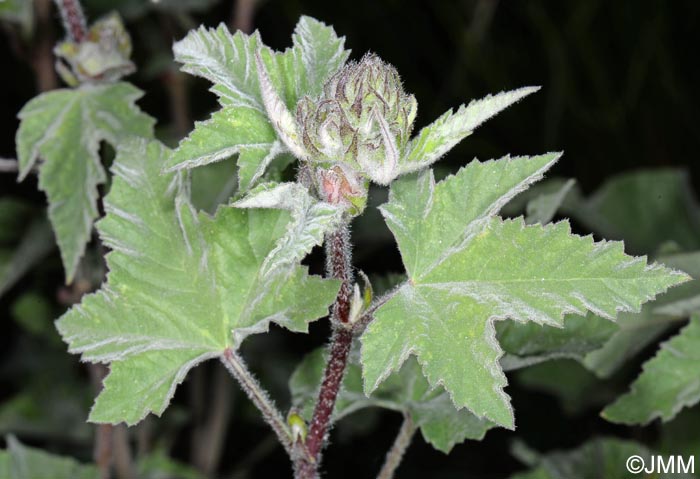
102 56
363 119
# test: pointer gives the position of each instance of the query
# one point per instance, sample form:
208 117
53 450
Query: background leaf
22 462
669 382
604 457
645 208
64 128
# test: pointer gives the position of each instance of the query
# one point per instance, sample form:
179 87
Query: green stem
398 449
238 369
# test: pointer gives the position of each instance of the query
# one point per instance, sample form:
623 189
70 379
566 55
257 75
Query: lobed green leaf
182 286
242 126
467 268
64 129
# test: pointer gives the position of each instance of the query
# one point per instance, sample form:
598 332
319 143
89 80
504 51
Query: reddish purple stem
73 19
338 266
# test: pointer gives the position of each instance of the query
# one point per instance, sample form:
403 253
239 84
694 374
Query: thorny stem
338 264
395 454
236 366
73 19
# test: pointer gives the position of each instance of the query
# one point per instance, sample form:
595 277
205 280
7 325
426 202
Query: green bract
242 126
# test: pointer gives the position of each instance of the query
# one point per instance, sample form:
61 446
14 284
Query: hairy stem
396 453
338 265
73 19
236 366
332 379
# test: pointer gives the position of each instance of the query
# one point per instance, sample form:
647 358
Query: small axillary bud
297 426
102 56
363 119
360 302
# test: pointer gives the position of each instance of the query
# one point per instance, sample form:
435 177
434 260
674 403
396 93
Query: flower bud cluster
362 119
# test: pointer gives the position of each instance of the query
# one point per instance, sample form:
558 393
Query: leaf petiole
238 369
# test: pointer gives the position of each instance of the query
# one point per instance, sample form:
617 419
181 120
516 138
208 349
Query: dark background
620 92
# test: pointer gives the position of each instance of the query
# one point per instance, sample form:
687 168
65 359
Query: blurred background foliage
619 96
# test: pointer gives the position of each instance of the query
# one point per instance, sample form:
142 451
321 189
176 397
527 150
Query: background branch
398 449
209 436
42 59
8 166
242 18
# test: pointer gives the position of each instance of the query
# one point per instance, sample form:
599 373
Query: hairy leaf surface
242 126
467 268
182 286
64 128
443 134
669 382
311 220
